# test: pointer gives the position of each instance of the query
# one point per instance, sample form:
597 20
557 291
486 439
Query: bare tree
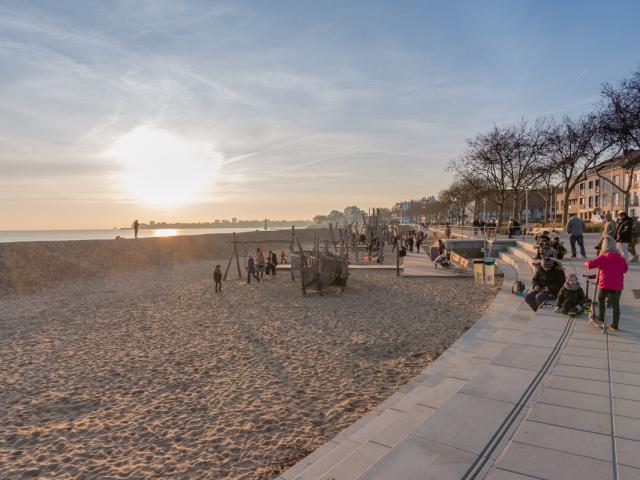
620 120
573 147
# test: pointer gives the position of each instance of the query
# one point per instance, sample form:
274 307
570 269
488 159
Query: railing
469 232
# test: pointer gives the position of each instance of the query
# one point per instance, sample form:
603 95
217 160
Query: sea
56 235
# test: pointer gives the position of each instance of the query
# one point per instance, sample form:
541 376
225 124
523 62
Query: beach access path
520 395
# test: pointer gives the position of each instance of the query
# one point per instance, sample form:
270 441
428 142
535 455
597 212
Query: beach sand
149 374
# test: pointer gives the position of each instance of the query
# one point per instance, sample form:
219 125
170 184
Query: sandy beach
140 370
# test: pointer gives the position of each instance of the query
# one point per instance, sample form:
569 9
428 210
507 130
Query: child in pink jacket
612 267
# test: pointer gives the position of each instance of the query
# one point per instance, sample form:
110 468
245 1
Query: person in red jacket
611 269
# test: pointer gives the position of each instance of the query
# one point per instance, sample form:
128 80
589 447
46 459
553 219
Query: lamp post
526 209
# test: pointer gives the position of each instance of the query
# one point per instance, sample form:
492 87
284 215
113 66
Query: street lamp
526 209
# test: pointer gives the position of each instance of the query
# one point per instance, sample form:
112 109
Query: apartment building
596 195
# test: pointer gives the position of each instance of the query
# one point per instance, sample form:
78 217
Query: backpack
518 288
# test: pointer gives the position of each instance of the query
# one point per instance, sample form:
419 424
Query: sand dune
149 374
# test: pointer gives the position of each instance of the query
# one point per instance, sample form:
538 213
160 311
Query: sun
161 167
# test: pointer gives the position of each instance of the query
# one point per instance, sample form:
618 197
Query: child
571 297
611 269
283 257
217 277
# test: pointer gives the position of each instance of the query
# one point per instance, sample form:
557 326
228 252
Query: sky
197 110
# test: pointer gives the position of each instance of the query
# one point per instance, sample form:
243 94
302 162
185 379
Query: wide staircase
518 396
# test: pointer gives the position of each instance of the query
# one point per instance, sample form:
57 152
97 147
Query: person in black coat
571 297
217 278
624 230
547 282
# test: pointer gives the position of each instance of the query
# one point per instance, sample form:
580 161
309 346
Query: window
604 199
597 182
590 185
615 198
590 201
597 201
582 201
615 179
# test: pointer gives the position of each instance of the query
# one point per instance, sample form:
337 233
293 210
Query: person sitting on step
546 282
571 298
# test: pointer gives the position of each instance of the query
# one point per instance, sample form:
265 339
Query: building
594 195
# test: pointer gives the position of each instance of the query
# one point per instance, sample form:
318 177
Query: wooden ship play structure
317 268
369 236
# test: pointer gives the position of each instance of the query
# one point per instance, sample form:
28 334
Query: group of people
407 241
263 264
480 226
256 267
549 247
618 239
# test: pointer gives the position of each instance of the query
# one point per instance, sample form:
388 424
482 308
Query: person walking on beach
260 263
274 262
611 269
251 269
624 230
217 278
136 225
575 229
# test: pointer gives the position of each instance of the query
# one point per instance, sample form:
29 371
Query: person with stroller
611 267
547 282
571 298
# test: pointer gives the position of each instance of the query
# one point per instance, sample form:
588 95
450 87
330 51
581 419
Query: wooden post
317 263
398 260
226 270
304 289
235 251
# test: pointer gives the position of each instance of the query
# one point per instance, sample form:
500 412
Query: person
558 248
403 251
516 229
442 260
260 263
217 278
410 243
274 263
635 232
251 269
447 231
418 243
575 229
571 297
609 227
546 282
441 247
510 228
283 257
624 230
136 225
611 269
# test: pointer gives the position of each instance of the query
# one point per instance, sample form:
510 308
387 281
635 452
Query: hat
609 244
547 262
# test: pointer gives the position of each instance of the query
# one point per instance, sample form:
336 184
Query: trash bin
490 271
478 271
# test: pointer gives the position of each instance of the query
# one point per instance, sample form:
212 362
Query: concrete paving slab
326 462
581 372
394 433
529 357
498 382
623 366
571 418
375 426
590 362
412 398
419 459
569 440
626 408
628 473
586 352
442 392
540 338
628 452
578 385
552 464
629 392
582 401
491 349
599 343
627 427
499 474
450 425
357 462
626 356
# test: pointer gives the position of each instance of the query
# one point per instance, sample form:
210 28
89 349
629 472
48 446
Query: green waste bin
489 271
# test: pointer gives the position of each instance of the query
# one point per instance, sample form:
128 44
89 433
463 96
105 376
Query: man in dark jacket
624 230
547 282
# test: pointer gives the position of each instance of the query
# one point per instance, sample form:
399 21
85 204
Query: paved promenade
519 396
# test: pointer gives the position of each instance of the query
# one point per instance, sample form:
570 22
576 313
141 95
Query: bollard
490 271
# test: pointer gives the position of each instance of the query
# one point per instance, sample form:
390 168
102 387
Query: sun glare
161 167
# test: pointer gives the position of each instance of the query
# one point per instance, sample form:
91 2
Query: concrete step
526 246
523 268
